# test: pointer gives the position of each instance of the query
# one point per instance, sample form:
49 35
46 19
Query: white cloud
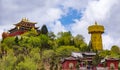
75 4
1 34
57 27
100 11
107 42
51 15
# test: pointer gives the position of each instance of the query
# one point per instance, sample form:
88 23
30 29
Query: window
71 65
112 66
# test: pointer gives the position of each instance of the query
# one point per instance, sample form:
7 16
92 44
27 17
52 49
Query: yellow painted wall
96 36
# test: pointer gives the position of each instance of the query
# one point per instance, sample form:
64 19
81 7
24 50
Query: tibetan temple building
20 28
84 61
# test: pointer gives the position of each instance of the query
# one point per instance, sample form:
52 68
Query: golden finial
95 22
25 19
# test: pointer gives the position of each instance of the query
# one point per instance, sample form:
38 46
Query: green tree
16 39
51 35
3 49
34 41
114 53
8 61
49 57
44 30
52 40
27 64
114 49
64 38
79 43
44 41
105 53
64 51
44 45
9 41
34 54
96 60
32 32
78 40
84 47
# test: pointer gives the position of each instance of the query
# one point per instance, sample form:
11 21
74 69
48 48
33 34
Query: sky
65 15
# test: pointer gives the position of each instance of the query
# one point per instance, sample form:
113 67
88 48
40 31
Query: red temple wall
115 62
65 65
16 33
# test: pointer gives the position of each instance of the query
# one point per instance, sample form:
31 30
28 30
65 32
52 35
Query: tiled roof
76 54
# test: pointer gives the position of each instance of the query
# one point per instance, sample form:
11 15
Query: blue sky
65 15
70 16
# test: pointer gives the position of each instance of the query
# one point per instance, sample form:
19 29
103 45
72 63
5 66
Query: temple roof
112 59
24 21
96 28
70 58
89 53
77 54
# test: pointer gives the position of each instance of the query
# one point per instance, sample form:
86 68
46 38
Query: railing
102 68
83 68
97 68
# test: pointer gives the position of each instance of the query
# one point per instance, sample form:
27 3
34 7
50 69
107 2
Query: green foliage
16 39
34 55
44 41
10 41
79 43
27 64
51 35
104 53
44 30
8 62
96 60
34 41
64 38
65 51
3 47
47 54
30 33
115 51
83 47
78 40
